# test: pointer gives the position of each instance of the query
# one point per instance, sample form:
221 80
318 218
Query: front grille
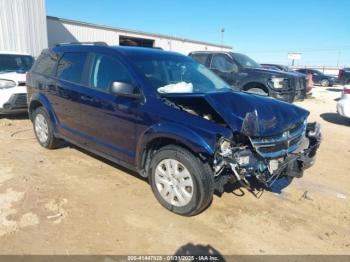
300 88
277 146
19 100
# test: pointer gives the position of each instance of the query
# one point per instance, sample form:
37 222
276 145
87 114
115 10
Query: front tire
181 182
258 91
324 83
43 129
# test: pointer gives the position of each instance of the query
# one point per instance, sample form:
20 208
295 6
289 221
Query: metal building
64 30
23 26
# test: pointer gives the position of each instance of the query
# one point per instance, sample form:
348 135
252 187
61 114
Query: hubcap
174 182
41 128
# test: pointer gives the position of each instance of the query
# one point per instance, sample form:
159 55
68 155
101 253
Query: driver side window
107 69
222 63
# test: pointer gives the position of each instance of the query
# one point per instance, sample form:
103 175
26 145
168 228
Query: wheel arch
169 134
39 100
254 84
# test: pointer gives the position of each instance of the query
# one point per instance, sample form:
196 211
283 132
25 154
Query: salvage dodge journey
168 118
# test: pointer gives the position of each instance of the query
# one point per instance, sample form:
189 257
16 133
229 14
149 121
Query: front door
108 121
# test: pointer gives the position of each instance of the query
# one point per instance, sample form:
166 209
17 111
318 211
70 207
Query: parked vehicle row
13 91
170 119
242 72
319 78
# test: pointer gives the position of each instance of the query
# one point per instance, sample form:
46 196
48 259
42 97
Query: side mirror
124 89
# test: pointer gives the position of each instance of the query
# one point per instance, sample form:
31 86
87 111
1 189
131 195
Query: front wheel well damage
156 144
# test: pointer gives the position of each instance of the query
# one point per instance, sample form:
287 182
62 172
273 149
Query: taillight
27 77
347 91
341 73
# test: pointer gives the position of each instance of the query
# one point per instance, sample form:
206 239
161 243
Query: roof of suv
125 50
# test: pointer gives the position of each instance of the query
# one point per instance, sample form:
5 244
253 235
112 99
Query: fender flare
42 99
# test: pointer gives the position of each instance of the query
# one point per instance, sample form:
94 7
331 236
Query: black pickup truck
344 76
244 73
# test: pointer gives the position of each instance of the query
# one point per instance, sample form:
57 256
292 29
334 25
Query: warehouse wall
23 26
62 30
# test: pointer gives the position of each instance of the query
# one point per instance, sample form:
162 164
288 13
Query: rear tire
181 182
43 129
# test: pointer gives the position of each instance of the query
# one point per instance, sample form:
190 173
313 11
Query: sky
266 30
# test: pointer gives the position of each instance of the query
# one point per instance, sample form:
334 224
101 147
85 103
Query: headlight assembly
278 82
225 145
4 84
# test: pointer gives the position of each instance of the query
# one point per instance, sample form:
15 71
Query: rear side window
71 67
200 58
45 64
108 69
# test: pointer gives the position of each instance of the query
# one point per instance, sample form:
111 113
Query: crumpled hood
255 115
14 76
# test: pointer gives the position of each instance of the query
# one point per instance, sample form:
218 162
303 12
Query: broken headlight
225 147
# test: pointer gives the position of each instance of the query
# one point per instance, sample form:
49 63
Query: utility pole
222 30
338 60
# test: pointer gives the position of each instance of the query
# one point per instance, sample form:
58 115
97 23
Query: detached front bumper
295 163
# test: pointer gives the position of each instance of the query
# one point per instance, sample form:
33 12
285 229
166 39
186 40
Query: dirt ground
66 201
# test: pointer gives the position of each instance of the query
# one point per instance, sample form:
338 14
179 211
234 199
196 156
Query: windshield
245 61
177 74
15 63
317 72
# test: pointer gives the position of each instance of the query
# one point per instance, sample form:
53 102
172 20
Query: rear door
66 94
108 121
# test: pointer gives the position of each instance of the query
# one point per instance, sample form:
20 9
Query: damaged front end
266 159
269 139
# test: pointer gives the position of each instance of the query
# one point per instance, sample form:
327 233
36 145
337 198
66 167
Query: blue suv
168 118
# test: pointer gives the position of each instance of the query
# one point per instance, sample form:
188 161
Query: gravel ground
67 201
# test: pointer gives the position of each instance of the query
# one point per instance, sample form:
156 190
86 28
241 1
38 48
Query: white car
13 90
343 105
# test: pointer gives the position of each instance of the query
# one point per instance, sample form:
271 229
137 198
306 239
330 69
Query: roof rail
83 43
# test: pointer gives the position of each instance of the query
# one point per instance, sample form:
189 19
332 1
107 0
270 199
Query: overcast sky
266 30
